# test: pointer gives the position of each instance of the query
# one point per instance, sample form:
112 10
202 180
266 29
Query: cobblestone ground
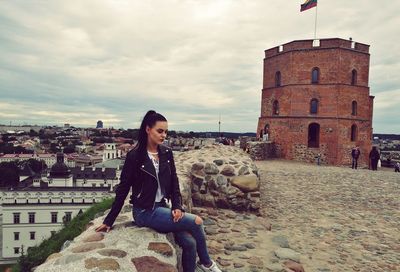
337 218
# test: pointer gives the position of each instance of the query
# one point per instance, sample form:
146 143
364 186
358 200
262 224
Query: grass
38 254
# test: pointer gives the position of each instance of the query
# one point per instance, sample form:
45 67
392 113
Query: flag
308 4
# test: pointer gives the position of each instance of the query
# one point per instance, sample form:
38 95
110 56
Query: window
68 216
16 236
16 218
275 108
32 235
54 217
278 79
314 106
31 218
353 136
354 108
313 135
16 250
354 77
315 75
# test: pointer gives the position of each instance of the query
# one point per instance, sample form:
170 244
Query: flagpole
315 27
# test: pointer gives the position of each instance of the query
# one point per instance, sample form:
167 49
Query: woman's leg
188 244
160 219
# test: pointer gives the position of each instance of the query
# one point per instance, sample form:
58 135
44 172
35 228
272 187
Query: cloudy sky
81 61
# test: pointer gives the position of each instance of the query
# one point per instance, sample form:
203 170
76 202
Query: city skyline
190 61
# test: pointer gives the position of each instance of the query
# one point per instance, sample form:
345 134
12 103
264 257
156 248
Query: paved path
337 218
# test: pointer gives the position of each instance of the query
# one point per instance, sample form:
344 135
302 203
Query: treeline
10 171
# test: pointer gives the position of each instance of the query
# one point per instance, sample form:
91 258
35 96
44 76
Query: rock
244 170
275 267
87 247
228 170
197 166
211 169
221 181
294 266
281 241
53 256
255 261
246 183
102 264
218 162
287 253
112 253
95 237
70 258
151 264
161 248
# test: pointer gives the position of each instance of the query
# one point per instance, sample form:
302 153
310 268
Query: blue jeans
188 234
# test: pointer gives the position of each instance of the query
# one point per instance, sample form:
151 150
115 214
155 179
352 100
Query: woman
150 170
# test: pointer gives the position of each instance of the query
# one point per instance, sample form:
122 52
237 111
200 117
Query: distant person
397 167
374 158
355 154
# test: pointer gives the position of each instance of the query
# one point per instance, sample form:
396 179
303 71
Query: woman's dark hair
150 119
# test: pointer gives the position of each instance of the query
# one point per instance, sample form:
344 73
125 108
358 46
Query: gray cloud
81 61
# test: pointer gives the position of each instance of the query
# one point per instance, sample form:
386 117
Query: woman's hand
177 214
103 227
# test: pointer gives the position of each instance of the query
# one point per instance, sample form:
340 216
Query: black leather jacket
144 183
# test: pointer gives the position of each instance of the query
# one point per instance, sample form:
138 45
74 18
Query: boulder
246 183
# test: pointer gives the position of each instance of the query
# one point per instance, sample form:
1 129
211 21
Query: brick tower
315 100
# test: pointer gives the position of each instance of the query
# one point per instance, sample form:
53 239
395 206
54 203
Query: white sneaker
212 268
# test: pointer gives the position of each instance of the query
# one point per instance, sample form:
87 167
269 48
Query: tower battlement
317 44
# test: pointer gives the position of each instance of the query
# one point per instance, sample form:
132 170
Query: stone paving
337 218
326 218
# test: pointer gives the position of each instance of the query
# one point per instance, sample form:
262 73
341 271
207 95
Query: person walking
150 171
374 157
355 154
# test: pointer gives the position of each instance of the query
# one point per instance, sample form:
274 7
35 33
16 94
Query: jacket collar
148 166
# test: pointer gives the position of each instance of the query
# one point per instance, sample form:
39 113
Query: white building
32 213
111 152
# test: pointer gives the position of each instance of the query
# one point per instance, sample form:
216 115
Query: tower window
278 79
354 108
275 108
315 75
354 77
313 135
353 133
314 106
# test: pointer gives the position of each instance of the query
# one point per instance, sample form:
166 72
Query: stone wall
221 176
261 150
125 248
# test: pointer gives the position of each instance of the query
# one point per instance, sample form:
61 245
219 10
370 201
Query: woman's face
158 133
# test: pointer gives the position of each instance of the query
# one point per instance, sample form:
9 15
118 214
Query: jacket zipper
154 202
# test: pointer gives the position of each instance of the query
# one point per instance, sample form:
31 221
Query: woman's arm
123 188
176 197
